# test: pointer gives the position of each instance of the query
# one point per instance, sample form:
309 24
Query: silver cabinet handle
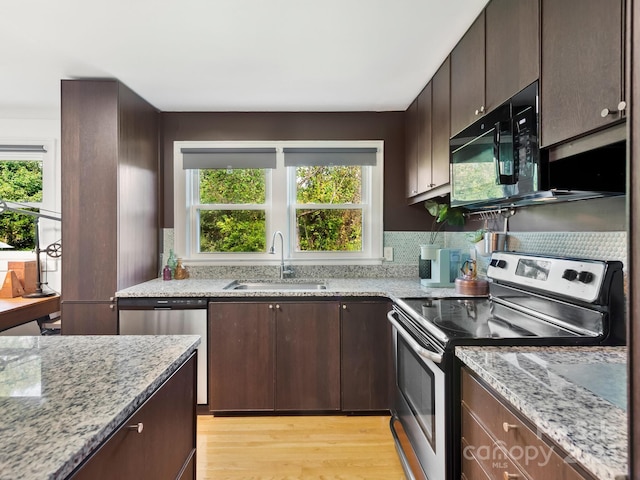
423 352
137 427
507 426
622 106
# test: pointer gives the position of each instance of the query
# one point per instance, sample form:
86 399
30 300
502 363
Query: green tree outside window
20 181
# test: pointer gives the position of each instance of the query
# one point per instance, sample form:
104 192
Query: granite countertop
62 396
574 395
336 287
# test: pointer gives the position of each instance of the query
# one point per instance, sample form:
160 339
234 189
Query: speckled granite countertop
62 396
335 287
575 395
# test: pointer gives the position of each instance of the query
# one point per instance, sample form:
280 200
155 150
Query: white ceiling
229 55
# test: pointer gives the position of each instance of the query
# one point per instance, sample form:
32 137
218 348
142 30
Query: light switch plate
388 254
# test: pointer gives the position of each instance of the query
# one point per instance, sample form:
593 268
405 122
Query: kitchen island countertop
574 395
62 396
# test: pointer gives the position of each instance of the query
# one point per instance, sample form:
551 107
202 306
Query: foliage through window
328 209
20 181
231 210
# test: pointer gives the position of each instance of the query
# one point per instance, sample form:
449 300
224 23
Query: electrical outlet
388 254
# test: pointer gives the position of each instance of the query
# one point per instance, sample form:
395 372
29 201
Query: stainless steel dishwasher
169 316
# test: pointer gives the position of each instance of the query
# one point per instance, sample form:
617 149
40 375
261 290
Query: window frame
49 230
279 208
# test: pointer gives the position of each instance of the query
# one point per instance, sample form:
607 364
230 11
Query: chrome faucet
284 272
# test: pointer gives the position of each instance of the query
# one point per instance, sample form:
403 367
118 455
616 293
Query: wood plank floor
296 447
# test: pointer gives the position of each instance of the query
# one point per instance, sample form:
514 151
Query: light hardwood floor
296 447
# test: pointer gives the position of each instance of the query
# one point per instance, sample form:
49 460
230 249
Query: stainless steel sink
276 285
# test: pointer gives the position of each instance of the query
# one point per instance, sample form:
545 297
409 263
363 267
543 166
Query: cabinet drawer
478 445
531 453
471 469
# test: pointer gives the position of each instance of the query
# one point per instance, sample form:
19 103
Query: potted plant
443 214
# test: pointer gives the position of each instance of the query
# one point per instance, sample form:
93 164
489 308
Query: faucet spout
283 270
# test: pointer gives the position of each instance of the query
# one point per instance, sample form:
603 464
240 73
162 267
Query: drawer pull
509 476
138 427
508 426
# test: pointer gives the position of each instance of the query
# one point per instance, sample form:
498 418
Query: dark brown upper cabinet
440 124
496 58
418 143
424 140
467 77
411 148
582 75
428 138
512 48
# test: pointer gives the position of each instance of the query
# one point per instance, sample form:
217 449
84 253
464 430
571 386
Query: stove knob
585 277
498 263
570 274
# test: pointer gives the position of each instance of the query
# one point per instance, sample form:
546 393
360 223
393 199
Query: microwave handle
501 177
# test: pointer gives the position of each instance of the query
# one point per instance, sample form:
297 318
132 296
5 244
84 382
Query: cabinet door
366 356
582 66
467 77
440 125
157 441
411 149
512 48
308 356
242 356
89 318
424 140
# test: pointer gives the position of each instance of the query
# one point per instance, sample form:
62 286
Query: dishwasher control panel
131 303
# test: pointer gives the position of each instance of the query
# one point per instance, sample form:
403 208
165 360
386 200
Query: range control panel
574 278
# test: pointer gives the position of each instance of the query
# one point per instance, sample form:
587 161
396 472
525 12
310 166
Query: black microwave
497 162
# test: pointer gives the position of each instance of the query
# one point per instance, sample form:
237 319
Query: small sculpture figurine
181 272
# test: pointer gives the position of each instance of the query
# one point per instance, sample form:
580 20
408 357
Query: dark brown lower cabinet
242 356
307 356
89 318
494 436
158 441
274 356
366 356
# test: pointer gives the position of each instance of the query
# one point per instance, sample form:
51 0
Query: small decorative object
166 273
469 284
172 262
181 272
11 287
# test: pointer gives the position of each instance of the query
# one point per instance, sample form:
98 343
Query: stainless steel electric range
533 300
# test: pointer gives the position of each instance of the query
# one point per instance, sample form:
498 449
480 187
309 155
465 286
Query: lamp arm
6 208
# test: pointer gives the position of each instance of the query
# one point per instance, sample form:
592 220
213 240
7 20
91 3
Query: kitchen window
230 197
26 175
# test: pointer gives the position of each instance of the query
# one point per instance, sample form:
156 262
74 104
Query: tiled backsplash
596 245
406 250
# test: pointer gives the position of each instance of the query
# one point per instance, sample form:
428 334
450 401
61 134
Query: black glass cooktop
466 317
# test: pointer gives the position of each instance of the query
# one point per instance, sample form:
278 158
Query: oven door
418 411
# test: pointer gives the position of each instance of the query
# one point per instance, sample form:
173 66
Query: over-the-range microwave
497 162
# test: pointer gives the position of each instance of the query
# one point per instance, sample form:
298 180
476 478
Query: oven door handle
420 350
